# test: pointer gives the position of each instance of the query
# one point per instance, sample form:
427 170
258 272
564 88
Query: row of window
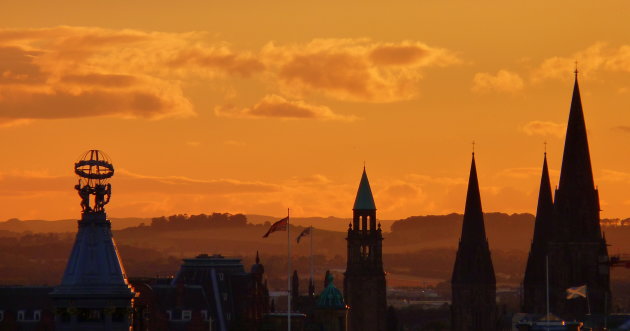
186 315
24 316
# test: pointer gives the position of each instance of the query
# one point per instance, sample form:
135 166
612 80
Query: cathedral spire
534 280
544 211
576 172
577 200
575 240
473 281
473 263
473 228
364 199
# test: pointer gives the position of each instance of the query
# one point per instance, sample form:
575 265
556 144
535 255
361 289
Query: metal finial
473 147
576 68
545 147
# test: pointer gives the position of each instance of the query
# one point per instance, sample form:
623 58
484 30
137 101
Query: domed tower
94 293
331 310
364 282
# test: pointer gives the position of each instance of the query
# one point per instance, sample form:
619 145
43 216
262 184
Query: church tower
94 293
473 282
535 280
364 281
577 250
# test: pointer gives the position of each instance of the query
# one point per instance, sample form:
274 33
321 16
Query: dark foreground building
473 282
210 292
573 240
364 282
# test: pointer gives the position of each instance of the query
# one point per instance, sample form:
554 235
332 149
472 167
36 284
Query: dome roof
331 297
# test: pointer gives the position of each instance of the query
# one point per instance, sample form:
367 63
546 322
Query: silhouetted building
535 280
364 282
473 282
26 308
578 253
94 293
259 304
208 293
331 310
295 286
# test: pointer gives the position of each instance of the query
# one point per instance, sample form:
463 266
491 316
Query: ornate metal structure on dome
94 170
94 293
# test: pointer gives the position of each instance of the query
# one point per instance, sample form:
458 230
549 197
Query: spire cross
576 68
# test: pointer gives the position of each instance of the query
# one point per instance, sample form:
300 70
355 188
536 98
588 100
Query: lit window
186 315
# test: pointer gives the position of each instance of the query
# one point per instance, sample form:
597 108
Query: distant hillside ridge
504 232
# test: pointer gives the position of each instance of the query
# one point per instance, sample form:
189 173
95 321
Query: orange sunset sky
256 106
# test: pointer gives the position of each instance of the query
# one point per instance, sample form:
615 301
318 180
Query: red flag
280 225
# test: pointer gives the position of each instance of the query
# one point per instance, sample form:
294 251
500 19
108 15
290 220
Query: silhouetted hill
58 226
504 232
419 250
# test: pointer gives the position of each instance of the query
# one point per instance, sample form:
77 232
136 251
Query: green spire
364 200
331 297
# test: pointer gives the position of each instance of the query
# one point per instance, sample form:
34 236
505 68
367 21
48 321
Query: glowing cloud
503 81
542 128
275 106
354 69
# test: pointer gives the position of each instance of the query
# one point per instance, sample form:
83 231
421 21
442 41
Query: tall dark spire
473 281
544 210
534 280
473 228
576 190
473 262
576 172
575 240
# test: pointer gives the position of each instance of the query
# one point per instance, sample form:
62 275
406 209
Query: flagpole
588 301
547 275
288 271
311 280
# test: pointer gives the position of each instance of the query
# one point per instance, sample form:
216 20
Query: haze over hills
504 231
417 250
